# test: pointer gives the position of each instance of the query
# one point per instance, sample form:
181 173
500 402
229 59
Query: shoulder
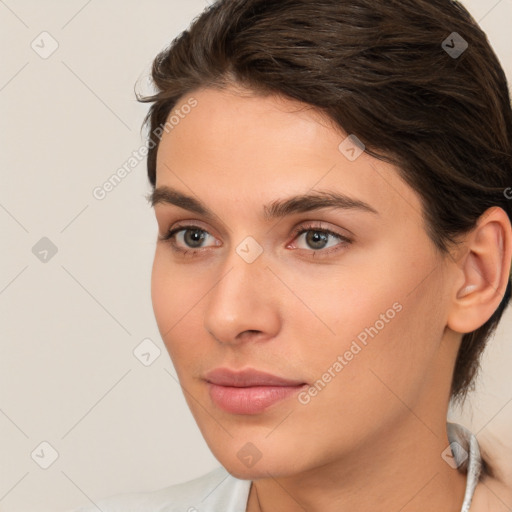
216 490
494 492
492 495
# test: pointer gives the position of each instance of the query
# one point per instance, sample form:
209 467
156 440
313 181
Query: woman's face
346 300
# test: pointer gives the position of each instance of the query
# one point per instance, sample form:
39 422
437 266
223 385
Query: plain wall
69 325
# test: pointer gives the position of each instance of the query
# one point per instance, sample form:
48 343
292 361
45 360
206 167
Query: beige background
68 328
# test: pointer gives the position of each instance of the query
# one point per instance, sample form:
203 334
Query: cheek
162 284
337 303
177 300
386 337
378 310
171 296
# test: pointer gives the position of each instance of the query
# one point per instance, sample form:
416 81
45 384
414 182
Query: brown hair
382 70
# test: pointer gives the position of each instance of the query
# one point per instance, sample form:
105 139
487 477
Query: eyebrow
275 210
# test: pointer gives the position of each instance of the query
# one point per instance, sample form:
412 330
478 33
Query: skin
372 438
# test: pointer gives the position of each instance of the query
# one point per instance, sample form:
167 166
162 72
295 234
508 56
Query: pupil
316 237
196 237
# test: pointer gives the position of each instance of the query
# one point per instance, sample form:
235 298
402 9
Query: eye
187 239
319 239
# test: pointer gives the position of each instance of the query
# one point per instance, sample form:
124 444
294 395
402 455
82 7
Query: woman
330 184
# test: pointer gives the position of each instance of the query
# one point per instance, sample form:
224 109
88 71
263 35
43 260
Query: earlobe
485 268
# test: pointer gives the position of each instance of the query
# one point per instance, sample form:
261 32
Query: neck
401 470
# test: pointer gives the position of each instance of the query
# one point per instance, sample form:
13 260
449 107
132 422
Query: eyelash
169 238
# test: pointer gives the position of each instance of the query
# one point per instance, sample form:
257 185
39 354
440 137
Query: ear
483 272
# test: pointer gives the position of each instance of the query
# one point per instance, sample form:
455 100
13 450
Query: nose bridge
241 299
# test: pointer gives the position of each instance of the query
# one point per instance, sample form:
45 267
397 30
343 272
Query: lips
249 391
246 378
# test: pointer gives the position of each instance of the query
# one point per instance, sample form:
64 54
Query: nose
242 305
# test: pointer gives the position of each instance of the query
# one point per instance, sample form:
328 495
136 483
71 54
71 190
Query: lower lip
250 400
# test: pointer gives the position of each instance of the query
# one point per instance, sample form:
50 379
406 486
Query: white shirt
219 491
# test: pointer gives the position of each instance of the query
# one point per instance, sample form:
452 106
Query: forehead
240 146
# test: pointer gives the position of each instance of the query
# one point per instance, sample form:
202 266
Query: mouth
249 391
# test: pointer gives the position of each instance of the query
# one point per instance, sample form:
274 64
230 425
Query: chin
262 468
253 473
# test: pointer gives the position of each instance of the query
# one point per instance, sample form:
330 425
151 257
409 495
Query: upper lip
247 378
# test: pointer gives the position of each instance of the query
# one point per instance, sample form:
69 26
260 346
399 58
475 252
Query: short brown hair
382 70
